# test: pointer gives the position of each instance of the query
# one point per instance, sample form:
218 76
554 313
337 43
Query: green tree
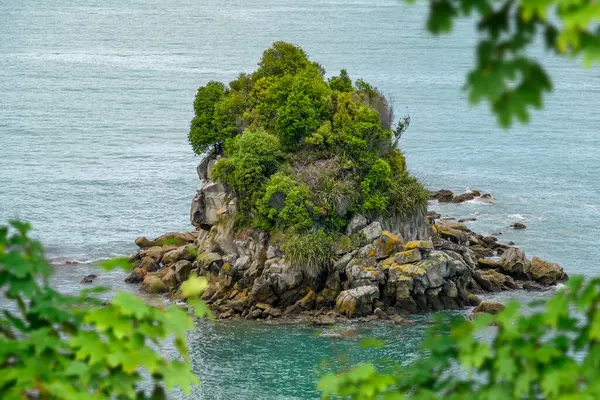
54 346
203 132
251 159
505 76
341 83
281 59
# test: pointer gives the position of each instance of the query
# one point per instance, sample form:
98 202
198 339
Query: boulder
261 291
136 276
153 284
182 270
461 198
387 244
488 307
372 231
451 231
156 252
407 257
443 196
486 263
170 279
171 238
493 281
342 263
282 277
518 225
360 275
89 278
186 252
357 302
211 198
381 314
357 223
398 289
419 244
545 273
514 262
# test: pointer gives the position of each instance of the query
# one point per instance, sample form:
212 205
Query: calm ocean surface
95 103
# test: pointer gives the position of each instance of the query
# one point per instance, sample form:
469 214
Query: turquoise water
95 103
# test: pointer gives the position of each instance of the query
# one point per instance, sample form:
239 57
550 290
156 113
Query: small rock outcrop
390 268
447 196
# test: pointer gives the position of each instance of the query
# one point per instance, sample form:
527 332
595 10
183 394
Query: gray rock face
211 199
356 224
372 231
514 262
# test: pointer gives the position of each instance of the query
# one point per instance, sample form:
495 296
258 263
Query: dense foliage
552 353
54 346
302 153
505 76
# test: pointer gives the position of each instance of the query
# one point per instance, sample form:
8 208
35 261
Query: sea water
95 103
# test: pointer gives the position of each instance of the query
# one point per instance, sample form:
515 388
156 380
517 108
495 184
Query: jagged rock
308 301
461 198
408 256
474 300
357 223
261 291
449 289
283 278
451 232
242 263
143 242
211 198
357 302
518 225
489 307
470 219
545 273
273 252
493 281
89 278
136 276
360 275
207 259
514 262
186 252
419 244
153 284
171 238
372 231
156 252
387 244
443 196
398 288
381 314
170 279
182 270
342 263
486 263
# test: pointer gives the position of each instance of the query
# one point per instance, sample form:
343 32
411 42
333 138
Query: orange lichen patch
409 256
387 244
419 244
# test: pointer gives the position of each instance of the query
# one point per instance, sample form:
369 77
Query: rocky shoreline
382 270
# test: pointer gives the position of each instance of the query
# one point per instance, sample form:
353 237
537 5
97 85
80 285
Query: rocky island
306 209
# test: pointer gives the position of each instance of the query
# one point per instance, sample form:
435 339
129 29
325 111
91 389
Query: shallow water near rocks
95 108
